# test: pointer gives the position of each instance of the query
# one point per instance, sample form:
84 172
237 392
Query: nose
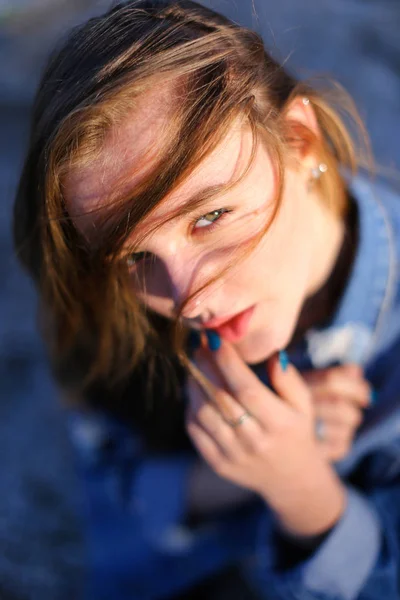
184 273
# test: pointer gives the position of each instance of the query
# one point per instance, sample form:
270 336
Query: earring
316 172
306 100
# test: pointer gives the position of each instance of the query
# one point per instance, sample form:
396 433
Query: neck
329 236
335 247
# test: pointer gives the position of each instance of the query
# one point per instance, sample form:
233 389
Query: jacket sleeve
134 516
358 559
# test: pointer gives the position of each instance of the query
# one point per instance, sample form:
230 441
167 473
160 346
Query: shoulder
379 203
387 198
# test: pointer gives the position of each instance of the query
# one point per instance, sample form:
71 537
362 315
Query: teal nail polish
194 340
283 360
214 341
373 397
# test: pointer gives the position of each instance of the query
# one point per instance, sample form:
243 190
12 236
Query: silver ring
238 421
320 430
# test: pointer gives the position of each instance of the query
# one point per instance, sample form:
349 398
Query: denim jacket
139 545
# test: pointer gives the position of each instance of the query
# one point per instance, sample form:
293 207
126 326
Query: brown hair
221 72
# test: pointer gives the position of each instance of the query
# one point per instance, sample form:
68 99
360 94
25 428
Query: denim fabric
136 503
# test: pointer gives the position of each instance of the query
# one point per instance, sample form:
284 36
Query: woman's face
272 281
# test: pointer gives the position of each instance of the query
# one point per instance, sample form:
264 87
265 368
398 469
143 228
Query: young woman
221 299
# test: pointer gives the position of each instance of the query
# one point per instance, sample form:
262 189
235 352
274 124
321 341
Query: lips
213 323
233 327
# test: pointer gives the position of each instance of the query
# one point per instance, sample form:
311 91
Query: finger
335 433
290 385
341 412
219 394
353 370
335 449
337 381
337 441
232 440
206 446
356 392
243 385
211 420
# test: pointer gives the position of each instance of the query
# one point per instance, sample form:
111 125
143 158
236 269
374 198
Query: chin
260 345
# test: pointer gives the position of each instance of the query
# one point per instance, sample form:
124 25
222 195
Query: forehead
131 146
134 148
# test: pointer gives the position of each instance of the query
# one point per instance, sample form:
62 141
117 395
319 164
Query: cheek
151 279
162 306
152 287
287 244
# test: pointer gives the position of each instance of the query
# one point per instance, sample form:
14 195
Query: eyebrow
191 205
194 202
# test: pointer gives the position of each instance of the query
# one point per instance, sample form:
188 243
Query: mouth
232 327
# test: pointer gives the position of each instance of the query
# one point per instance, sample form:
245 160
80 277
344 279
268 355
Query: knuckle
258 444
250 397
221 400
220 395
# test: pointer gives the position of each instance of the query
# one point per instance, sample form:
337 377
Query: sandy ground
41 548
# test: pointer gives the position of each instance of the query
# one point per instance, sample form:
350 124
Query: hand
340 394
274 452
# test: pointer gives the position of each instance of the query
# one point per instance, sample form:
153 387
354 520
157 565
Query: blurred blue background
356 41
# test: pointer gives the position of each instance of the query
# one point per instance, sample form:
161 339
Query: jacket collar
351 334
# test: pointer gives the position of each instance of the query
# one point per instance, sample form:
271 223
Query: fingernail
283 360
373 397
214 341
194 340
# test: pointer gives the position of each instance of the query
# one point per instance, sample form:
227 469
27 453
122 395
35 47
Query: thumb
288 383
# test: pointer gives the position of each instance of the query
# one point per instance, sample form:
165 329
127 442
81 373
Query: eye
210 218
137 257
207 221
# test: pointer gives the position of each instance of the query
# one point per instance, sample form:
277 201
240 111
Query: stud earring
316 172
306 100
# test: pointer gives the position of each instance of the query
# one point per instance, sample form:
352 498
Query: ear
303 128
